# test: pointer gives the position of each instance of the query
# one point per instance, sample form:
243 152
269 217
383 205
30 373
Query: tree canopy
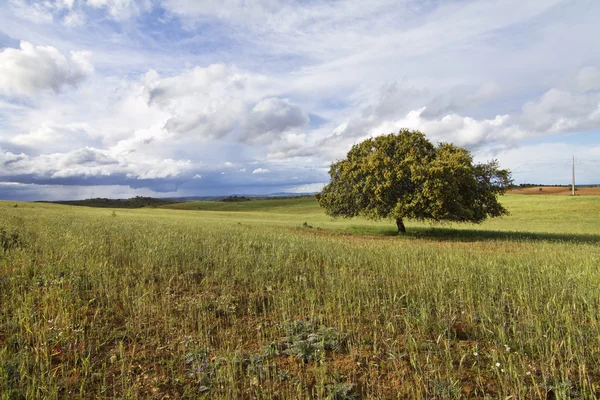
405 176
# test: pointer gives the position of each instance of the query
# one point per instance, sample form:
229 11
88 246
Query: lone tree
404 176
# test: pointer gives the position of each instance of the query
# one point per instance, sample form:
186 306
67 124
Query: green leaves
404 176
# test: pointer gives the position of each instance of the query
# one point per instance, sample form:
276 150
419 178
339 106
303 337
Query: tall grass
248 304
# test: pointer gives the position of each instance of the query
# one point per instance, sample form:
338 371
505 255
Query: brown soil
557 190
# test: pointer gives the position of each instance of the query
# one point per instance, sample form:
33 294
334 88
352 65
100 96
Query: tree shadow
474 235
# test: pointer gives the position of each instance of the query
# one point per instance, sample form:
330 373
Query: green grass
245 302
550 217
286 205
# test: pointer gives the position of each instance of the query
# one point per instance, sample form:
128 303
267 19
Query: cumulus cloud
559 111
574 108
197 80
392 99
272 117
81 162
203 101
260 171
464 131
290 146
214 120
88 162
32 69
52 137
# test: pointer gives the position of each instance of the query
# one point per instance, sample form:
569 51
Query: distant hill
278 195
139 202
134 202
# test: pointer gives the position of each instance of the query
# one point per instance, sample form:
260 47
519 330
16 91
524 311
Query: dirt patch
557 190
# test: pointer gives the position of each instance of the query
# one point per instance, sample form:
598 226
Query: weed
340 391
309 342
10 240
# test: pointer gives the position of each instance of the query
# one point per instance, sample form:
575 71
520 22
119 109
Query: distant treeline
236 199
134 202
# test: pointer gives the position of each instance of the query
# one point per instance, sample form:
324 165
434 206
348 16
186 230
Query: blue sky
117 98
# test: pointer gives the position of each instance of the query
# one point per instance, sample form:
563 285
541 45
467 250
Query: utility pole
573 181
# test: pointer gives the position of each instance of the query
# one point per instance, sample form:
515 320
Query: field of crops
273 299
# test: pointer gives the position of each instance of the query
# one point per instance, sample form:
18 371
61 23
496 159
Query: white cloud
570 109
36 12
215 77
216 119
260 171
90 162
74 19
308 188
464 131
203 102
562 111
31 69
55 137
588 79
65 3
272 117
120 9
488 90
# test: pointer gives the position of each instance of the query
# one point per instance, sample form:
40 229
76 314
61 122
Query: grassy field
243 300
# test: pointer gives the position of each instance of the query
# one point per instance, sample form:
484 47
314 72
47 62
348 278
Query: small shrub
202 367
307 342
340 391
9 241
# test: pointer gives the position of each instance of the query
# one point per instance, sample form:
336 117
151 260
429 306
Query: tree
404 176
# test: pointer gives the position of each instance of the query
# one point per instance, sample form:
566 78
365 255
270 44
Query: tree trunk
400 224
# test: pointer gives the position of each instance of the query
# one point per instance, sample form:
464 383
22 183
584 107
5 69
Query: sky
170 98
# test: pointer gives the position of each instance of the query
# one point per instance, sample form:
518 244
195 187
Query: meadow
272 299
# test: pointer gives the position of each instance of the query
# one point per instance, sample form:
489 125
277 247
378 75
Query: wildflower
528 373
475 354
497 364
